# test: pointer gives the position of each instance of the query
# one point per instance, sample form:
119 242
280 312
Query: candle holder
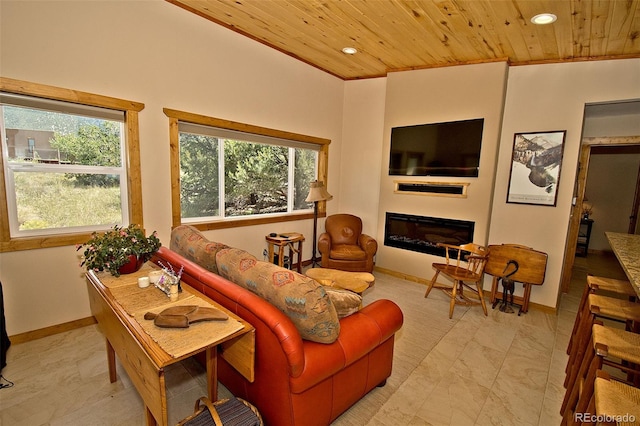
169 282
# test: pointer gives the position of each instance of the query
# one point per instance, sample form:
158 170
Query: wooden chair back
472 257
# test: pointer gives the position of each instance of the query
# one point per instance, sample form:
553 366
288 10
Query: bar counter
627 249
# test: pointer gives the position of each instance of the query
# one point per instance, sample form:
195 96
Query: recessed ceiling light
544 19
350 50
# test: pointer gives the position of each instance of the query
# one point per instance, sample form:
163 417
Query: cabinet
584 235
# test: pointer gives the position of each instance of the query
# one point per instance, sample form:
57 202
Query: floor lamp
317 193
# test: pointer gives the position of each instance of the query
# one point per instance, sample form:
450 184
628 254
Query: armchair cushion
347 252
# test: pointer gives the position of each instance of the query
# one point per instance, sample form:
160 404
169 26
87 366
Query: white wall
432 96
156 53
611 186
612 119
611 178
361 152
544 98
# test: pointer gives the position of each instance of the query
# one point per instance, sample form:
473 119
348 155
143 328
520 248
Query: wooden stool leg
299 264
271 253
573 391
586 390
581 307
280 255
291 251
580 348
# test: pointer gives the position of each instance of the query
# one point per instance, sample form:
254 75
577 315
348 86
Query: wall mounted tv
437 149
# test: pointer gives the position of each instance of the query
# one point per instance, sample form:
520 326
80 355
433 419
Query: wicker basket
225 412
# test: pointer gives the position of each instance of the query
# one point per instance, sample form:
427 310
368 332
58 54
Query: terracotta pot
132 266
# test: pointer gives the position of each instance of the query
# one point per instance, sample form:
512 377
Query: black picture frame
536 163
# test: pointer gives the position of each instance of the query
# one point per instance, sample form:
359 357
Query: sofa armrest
360 333
376 322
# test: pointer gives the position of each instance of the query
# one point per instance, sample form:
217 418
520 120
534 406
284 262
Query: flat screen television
437 149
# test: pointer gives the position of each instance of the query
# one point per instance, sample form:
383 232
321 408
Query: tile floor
471 370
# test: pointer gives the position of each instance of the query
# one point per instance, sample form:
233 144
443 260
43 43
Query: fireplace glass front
422 233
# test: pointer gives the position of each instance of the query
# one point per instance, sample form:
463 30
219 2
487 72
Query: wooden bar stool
599 285
597 306
608 346
603 307
613 400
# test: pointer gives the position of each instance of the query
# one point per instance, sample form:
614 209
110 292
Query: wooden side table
281 241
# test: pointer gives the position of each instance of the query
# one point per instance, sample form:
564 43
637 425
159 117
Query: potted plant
120 250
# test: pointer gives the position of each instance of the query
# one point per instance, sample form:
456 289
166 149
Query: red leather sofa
300 382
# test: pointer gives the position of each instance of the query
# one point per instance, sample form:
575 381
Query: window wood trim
176 116
132 141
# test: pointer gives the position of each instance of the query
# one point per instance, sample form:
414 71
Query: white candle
143 282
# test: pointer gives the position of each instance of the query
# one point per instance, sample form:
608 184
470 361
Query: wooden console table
118 304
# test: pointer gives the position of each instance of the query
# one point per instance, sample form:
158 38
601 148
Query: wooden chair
532 266
466 270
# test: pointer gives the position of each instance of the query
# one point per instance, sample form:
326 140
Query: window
232 174
64 165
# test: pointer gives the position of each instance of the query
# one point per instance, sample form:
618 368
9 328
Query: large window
64 164
232 174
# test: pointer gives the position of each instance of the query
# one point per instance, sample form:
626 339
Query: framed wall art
535 168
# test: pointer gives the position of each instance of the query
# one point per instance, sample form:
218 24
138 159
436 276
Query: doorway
593 146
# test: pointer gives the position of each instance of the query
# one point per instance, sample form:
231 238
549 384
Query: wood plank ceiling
395 35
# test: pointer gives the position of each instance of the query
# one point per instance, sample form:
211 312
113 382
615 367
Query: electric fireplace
423 233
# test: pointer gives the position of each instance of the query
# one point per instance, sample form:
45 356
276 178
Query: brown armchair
343 246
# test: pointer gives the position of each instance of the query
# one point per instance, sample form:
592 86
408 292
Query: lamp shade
317 192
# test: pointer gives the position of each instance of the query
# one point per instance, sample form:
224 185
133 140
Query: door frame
576 209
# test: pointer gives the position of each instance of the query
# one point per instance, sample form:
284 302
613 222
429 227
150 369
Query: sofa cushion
190 243
346 302
302 299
